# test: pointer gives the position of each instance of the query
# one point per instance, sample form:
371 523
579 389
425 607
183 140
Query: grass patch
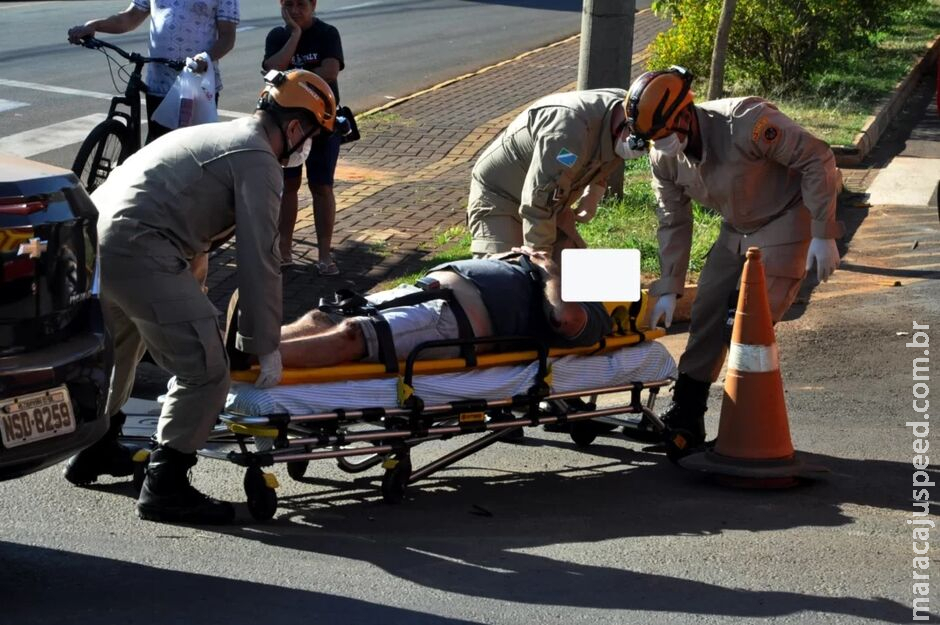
837 102
631 223
449 245
384 118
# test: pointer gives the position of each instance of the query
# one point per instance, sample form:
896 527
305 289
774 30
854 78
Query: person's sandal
328 269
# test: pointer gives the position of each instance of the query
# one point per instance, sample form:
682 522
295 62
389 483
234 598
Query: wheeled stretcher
362 416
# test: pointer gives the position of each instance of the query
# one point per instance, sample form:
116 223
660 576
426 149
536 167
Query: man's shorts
429 321
321 162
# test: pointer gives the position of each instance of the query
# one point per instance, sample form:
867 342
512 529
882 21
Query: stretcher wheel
297 469
395 480
583 433
262 498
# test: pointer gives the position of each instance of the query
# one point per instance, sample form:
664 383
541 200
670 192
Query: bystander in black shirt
320 41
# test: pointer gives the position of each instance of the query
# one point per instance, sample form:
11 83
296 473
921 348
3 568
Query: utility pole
606 52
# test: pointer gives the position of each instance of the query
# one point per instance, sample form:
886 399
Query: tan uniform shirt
546 157
192 189
771 180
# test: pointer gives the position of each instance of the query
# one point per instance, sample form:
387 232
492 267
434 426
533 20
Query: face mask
670 145
299 157
623 150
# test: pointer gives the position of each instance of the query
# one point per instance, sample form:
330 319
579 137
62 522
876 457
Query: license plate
36 416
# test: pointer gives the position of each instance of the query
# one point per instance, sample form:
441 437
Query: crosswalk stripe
51 137
87 94
54 89
9 105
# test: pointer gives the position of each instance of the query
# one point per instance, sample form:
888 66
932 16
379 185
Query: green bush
773 43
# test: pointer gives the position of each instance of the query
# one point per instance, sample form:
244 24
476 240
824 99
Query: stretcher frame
296 440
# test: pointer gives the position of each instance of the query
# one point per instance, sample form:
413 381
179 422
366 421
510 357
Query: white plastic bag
191 99
205 111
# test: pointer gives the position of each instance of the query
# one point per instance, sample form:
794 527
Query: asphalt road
545 532
52 91
535 533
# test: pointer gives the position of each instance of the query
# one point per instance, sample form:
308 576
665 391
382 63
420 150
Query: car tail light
21 205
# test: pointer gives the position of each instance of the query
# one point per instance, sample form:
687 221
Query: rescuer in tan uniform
773 183
558 150
165 206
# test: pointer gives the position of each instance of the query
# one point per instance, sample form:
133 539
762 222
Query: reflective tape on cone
754 358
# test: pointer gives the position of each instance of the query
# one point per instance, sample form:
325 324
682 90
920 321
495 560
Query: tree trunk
716 81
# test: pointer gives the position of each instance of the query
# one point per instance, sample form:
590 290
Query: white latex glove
664 307
825 254
587 207
271 370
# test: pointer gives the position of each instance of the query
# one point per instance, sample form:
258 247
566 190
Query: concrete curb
450 81
875 125
403 99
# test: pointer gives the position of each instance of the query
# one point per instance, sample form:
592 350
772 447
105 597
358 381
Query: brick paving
406 181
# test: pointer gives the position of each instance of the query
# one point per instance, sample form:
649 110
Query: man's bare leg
324 218
287 218
314 322
331 346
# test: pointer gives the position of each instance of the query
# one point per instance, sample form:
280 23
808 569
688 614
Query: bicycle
119 135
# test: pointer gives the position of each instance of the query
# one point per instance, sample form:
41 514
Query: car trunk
47 260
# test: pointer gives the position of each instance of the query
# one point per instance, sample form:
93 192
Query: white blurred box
600 275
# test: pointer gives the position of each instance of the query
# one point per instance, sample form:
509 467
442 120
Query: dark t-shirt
514 301
320 41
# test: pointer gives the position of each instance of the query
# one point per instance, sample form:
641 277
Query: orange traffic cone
753 447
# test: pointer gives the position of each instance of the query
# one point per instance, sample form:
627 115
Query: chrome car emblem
32 248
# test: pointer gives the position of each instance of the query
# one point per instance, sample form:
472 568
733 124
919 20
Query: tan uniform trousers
496 227
155 303
709 332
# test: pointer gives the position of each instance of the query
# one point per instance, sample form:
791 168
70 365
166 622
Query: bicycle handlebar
93 43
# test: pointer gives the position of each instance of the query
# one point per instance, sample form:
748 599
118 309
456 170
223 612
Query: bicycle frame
131 99
132 92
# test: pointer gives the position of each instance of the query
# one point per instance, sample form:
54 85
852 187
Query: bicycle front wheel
105 147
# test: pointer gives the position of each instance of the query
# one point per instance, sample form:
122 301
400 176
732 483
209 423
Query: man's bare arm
125 21
566 318
280 60
225 41
328 70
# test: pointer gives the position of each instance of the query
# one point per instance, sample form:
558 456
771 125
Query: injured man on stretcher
513 295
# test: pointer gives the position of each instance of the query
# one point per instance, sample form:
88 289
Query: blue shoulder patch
566 158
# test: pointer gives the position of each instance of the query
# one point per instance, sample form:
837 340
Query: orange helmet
298 89
654 100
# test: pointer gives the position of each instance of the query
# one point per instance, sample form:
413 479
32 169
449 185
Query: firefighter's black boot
686 412
105 457
168 497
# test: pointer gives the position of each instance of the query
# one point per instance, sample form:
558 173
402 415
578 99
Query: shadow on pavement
137 593
478 535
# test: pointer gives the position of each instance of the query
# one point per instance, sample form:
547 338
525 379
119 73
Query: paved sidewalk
406 181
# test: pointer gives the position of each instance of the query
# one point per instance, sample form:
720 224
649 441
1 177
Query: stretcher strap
350 304
464 329
383 333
